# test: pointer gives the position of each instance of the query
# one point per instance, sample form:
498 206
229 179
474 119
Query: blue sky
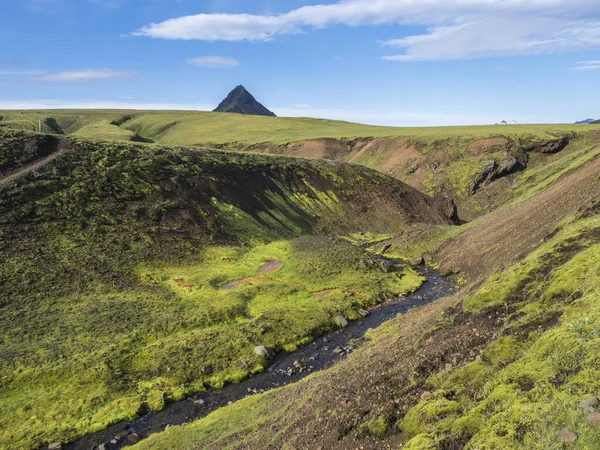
391 62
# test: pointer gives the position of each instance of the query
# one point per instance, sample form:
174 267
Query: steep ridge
463 169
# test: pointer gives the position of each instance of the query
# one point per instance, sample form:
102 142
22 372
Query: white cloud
457 28
83 75
587 65
214 62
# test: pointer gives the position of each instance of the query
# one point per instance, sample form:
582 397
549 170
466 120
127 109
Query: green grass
105 130
197 128
77 363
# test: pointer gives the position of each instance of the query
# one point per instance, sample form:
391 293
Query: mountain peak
240 101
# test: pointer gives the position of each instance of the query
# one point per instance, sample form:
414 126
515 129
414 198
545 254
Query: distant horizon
277 111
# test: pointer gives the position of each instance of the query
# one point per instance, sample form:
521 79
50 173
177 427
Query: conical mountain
240 101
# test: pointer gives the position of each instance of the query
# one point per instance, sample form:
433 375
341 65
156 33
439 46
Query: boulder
427 258
103 447
261 350
589 404
592 419
143 409
341 321
418 261
55 446
363 313
133 438
384 266
566 436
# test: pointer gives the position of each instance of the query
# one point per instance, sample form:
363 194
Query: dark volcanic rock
240 101
553 146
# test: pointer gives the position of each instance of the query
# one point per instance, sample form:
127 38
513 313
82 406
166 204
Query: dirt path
33 166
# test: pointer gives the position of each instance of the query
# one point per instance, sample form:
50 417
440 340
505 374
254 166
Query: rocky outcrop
515 159
548 147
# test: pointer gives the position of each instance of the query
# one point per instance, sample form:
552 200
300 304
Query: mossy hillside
143 201
528 383
89 326
104 130
19 148
541 173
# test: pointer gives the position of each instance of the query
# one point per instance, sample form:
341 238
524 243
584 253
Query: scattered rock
261 350
589 404
143 409
206 370
592 419
566 436
342 322
384 265
243 364
427 258
363 313
103 447
199 402
338 350
55 446
385 248
418 261
133 438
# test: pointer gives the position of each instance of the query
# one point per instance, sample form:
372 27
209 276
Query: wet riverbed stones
341 321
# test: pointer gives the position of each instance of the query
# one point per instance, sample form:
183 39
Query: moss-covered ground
527 385
115 261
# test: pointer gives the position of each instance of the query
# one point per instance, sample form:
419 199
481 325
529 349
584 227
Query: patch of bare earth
503 237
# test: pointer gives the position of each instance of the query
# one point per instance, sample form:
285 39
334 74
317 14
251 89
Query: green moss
530 379
377 427
421 442
428 414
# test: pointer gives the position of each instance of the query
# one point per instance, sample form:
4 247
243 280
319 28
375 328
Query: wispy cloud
214 62
77 76
457 28
587 65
